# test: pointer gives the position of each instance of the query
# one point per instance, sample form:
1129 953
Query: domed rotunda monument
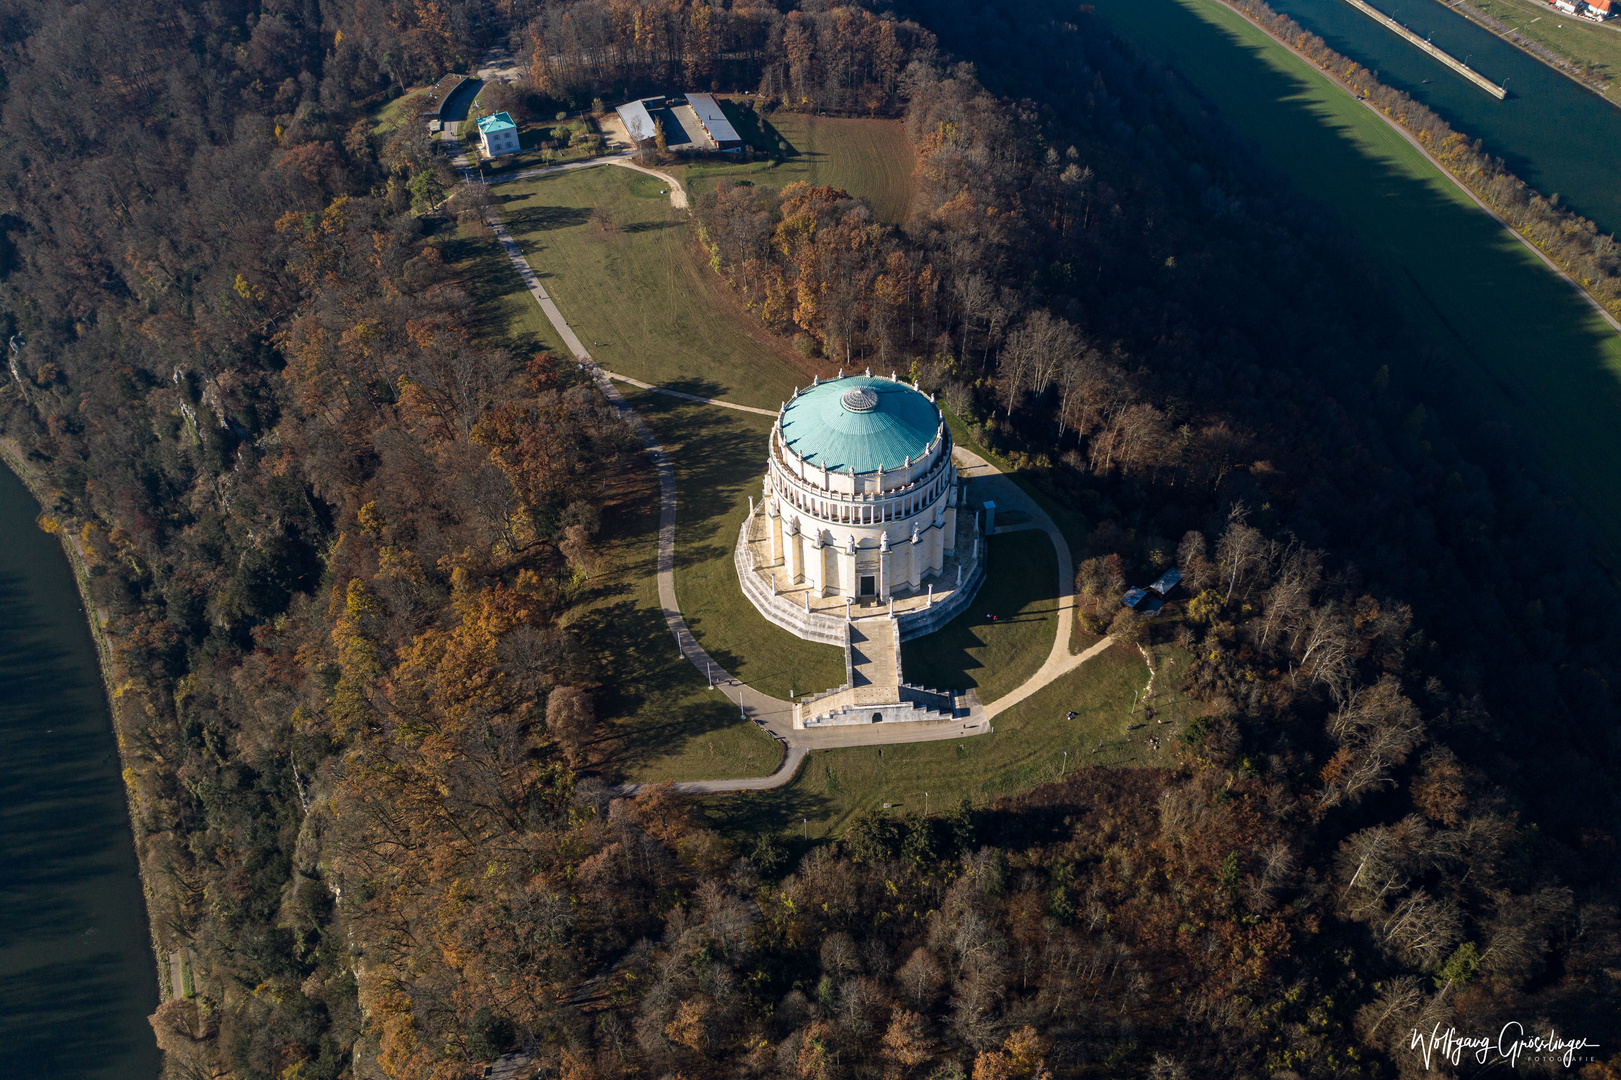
863 538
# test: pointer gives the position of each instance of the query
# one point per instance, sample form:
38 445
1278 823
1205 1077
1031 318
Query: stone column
773 531
951 512
847 566
815 564
795 553
884 559
915 557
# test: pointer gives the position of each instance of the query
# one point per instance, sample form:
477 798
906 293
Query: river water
77 975
1532 352
1551 132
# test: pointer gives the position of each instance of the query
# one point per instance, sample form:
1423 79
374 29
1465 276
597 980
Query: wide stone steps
872 653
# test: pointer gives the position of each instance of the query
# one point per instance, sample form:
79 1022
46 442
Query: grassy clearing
503 311
871 159
971 651
1532 349
1028 746
634 288
719 457
661 720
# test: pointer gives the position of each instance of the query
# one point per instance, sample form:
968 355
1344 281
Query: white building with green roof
863 538
498 135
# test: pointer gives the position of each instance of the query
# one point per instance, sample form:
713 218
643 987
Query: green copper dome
861 423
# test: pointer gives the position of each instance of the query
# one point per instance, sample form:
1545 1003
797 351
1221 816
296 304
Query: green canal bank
1552 132
77 973
1531 348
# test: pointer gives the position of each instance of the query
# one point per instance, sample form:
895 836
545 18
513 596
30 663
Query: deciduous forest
335 534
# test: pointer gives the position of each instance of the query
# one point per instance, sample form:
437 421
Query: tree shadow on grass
756 131
1018 590
649 226
649 678
489 278
759 132
531 219
744 816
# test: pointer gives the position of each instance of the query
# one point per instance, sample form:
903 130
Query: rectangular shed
713 119
1167 581
639 122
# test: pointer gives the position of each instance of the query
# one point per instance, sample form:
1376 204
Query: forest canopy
336 534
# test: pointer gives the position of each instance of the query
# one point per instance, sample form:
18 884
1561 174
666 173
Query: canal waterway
77 975
1527 346
1551 132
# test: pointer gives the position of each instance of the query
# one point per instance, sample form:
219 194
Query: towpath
1547 261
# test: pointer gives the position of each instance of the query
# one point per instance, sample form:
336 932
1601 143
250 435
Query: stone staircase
873 658
873 690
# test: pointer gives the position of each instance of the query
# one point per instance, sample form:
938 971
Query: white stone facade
862 535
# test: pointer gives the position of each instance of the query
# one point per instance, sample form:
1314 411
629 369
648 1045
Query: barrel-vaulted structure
861 494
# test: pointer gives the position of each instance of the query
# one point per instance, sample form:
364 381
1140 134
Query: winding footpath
774 714
1010 496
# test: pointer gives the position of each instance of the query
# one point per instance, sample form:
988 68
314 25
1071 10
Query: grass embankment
871 159
1594 44
407 107
1032 743
719 457
632 285
1534 350
994 657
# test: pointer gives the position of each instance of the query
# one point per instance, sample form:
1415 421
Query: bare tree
1376 727
1241 549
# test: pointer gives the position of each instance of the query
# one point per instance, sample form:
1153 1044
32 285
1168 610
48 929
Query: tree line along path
775 715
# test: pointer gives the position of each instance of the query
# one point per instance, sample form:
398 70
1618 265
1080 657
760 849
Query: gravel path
774 714
1010 496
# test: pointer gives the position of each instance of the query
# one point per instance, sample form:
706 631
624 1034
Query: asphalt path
774 714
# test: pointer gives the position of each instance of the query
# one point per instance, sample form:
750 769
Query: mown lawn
661 721
974 651
719 456
1530 348
1032 743
632 285
871 159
